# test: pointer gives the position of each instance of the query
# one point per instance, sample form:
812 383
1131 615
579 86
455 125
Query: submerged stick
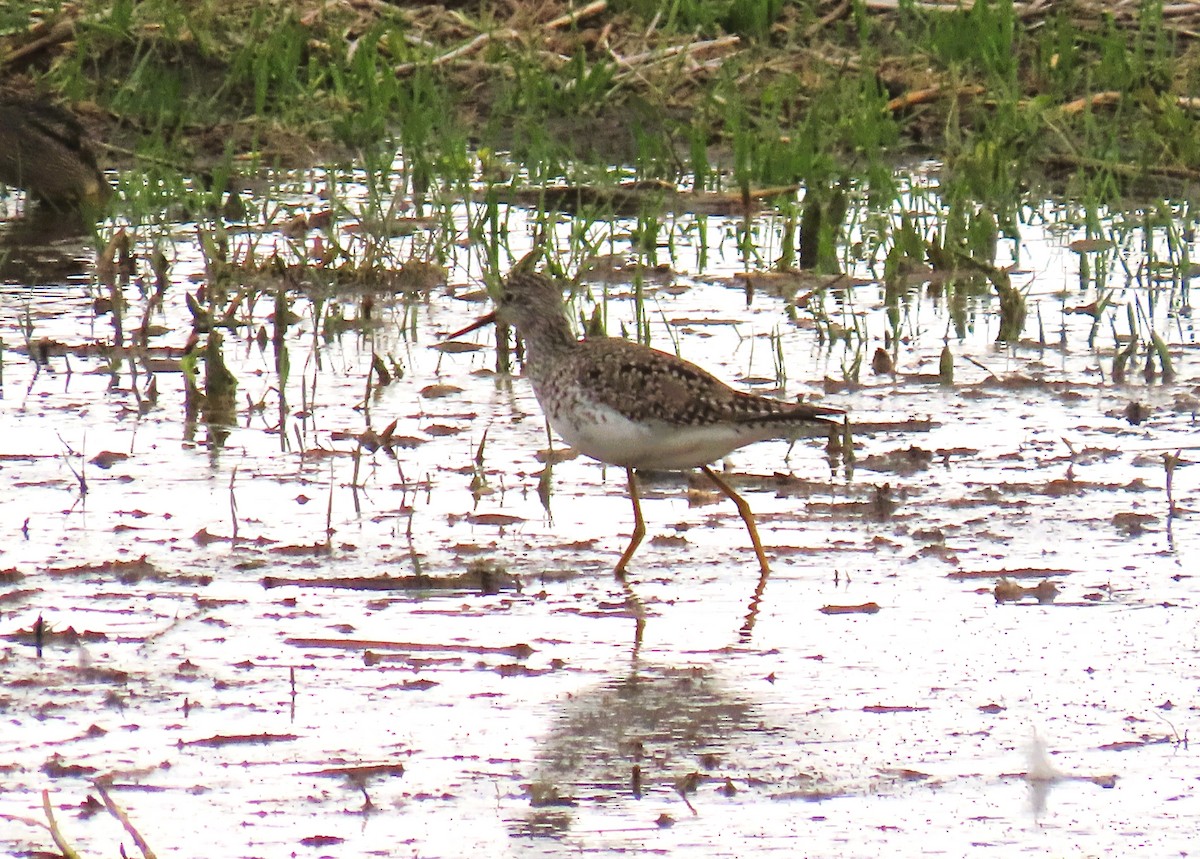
59 841
119 813
329 511
233 504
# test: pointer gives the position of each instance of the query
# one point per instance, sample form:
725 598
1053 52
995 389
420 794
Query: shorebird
635 407
43 150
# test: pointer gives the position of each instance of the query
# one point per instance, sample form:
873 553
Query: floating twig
576 15
915 97
455 53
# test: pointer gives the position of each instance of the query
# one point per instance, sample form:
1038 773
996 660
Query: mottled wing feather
644 383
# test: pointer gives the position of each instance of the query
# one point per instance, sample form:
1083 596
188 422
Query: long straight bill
481 322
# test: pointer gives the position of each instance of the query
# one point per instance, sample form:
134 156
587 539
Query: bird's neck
547 339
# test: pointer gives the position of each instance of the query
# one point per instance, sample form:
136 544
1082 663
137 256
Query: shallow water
236 719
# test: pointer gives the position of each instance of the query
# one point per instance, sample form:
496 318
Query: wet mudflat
289 636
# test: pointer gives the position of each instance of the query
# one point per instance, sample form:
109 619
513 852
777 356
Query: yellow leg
636 607
639 526
744 511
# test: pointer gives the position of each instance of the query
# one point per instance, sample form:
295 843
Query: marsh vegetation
285 571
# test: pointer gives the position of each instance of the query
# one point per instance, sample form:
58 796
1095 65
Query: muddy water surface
213 654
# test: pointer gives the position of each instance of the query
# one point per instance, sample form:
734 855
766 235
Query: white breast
605 434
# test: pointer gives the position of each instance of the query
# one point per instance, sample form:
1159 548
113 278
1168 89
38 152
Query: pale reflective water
234 719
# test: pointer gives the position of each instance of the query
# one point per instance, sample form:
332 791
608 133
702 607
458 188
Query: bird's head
526 298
